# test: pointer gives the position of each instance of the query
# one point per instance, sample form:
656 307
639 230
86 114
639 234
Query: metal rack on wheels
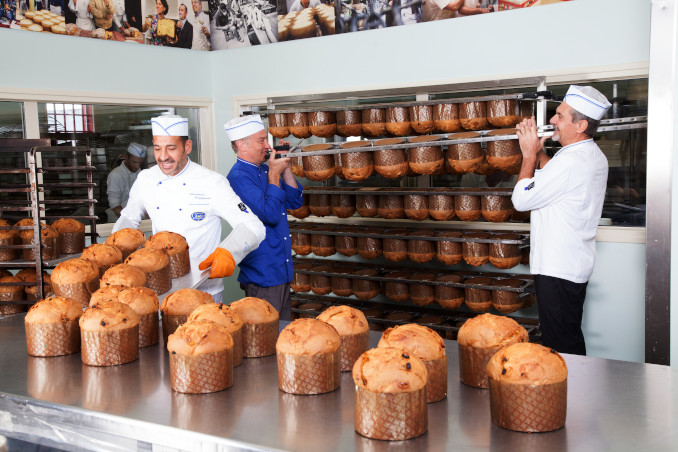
41 196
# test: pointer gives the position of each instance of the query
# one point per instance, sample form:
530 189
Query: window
69 118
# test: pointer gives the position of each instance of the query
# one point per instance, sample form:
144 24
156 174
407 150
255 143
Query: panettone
465 157
76 279
308 357
349 123
11 293
71 235
298 122
390 400
201 357
528 388
446 118
123 275
68 225
277 125
318 167
322 123
143 301
102 255
421 118
398 121
356 166
109 334
481 337
226 317
52 327
353 330
426 159
184 301
390 163
449 297
166 27
156 264
503 112
260 326
126 240
374 122
427 345
473 115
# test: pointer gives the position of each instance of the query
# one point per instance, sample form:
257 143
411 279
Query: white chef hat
137 150
239 128
587 100
169 126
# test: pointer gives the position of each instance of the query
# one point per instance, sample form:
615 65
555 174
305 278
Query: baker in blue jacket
269 188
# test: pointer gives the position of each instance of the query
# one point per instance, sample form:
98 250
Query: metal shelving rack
37 203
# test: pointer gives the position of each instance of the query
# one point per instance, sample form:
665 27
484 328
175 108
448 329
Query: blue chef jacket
271 263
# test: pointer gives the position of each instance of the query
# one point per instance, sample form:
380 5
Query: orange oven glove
222 263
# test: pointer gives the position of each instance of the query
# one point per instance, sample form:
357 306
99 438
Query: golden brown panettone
27 233
8 233
143 300
32 291
488 330
7 289
184 301
148 259
102 255
74 271
63 225
527 364
106 293
108 316
345 319
308 337
199 337
126 239
123 275
421 341
217 313
54 310
389 370
169 242
254 310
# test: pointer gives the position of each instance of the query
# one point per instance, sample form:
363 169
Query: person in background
119 16
122 177
201 32
184 197
102 11
269 188
471 8
565 195
161 9
56 6
84 19
184 34
299 5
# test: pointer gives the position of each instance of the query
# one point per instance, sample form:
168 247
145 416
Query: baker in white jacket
183 197
565 194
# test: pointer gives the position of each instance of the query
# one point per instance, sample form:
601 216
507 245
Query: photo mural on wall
226 24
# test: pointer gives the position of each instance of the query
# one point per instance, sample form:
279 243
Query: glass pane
108 130
11 120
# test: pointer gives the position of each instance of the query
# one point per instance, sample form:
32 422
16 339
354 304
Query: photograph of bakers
122 177
242 23
181 196
373 14
183 36
56 6
158 29
268 187
201 26
102 13
81 16
127 16
447 9
306 19
565 195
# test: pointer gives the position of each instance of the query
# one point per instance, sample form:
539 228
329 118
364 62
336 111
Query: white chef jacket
119 184
200 40
192 204
84 19
119 16
566 199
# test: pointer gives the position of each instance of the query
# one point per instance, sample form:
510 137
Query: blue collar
248 163
572 145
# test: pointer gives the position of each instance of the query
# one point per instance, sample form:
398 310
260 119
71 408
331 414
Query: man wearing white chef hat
183 197
565 195
269 188
121 178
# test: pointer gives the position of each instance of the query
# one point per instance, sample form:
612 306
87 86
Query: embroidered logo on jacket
243 207
198 216
529 187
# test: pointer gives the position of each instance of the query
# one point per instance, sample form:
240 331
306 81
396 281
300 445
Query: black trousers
278 296
561 307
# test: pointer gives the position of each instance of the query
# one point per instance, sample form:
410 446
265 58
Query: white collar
572 145
180 173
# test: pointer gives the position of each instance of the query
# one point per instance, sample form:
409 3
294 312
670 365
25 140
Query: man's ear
581 126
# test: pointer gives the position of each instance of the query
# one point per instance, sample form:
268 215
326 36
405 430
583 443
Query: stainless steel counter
612 405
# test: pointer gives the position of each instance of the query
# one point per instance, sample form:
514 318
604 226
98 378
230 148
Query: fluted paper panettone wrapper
180 264
351 348
53 339
71 242
258 339
160 281
473 365
148 330
200 374
390 416
308 374
237 347
426 159
9 254
81 292
50 249
528 408
109 348
12 308
170 323
436 386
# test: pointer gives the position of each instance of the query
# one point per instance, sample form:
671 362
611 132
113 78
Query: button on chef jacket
192 203
271 263
566 199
